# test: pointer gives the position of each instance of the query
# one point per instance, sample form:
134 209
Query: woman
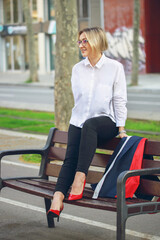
99 113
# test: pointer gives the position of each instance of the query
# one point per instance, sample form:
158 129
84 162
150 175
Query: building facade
13 38
13 33
118 22
116 17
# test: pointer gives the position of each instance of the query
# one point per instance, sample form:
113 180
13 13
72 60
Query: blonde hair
96 37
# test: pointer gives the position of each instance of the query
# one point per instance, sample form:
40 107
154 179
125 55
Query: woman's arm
120 100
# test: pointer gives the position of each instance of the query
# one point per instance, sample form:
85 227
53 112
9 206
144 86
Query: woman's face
85 47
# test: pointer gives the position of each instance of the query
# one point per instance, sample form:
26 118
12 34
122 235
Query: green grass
26 121
27 114
153 126
41 122
31 158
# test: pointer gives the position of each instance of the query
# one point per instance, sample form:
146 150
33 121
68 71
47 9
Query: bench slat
41 184
54 169
57 153
34 186
152 148
60 137
149 187
99 159
85 202
18 185
146 163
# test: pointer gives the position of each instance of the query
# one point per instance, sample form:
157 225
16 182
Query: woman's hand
122 135
122 132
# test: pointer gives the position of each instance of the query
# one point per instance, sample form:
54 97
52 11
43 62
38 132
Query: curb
23 135
142 90
27 85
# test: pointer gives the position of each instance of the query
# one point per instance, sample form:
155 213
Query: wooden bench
43 185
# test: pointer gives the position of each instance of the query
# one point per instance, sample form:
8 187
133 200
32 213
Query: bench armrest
42 151
4 153
122 208
121 180
21 151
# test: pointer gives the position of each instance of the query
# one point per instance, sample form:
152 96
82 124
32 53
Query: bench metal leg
50 221
121 225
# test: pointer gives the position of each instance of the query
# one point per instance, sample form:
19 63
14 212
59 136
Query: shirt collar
99 63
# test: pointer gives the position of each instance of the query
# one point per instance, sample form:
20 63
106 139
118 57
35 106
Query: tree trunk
66 57
135 58
31 42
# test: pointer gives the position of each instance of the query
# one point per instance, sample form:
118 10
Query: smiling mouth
83 50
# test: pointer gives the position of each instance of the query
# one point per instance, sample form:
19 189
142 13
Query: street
34 98
24 215
141 105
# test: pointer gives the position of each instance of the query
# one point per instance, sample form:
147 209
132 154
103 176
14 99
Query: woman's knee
89 124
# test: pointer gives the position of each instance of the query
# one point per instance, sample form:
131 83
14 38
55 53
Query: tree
66 57
135 58
31 42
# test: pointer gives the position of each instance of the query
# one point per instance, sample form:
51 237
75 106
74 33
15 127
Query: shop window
26 51
83 13
14 59
15 11
85 8
51 10
34 10
18 61
8 52
52 41
7 11
10 9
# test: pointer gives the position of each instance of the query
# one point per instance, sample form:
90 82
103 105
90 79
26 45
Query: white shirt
99 91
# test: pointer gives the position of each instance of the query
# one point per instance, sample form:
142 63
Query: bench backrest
56 156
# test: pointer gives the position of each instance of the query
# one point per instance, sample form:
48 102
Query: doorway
152 35
14 53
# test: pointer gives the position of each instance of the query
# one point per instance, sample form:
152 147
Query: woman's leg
67 173
69 166
95 130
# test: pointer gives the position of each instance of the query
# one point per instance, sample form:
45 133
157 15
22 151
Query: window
26 51
14 52
17 52
34 13
51 10
8 52
83 13
15 11
7 11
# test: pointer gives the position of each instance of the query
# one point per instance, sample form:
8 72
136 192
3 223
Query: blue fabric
122 163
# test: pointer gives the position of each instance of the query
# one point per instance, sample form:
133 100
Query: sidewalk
20 78
146 83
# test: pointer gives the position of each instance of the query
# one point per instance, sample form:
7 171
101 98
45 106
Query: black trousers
82 143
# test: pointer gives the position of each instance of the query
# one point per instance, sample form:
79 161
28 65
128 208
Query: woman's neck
94 58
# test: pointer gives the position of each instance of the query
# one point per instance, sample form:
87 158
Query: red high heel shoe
54 213
76 197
